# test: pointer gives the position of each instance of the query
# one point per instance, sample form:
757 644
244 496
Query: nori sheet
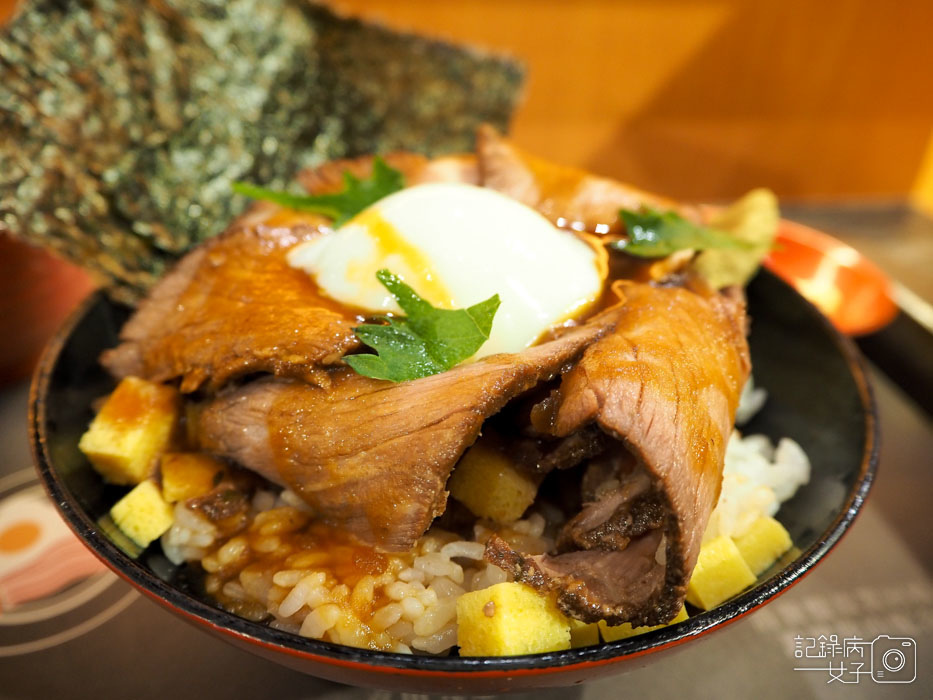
123 123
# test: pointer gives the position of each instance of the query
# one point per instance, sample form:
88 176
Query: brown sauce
127 407
133 403
287 539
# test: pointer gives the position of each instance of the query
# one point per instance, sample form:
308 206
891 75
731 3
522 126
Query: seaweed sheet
122 124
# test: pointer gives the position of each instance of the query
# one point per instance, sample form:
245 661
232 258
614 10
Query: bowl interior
817 394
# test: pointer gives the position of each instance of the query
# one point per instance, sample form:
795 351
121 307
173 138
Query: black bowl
818 395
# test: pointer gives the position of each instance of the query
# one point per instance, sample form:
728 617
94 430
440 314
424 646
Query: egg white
457 245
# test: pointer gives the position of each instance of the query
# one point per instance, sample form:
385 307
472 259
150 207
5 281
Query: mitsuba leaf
657 234
426 341
357 193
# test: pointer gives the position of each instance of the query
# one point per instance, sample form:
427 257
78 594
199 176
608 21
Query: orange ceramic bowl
37 292
851 290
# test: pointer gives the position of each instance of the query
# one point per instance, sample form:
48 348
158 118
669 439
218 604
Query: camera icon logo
893 659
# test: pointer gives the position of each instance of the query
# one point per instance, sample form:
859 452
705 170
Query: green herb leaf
427 341
357 193
656 234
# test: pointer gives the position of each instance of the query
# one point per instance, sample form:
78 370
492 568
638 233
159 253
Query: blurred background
705 99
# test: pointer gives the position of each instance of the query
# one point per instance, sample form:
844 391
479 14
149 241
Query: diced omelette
142 514
134 426
583 634
188 475
617 632
720 573
764 542
508 619
487 483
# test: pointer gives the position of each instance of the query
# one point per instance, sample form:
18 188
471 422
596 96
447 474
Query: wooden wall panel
707 98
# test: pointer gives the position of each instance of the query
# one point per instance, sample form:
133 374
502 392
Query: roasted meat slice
587 579
372 457
664 384
567 196
233 306
541 456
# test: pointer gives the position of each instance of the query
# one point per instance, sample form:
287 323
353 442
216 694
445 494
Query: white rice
757 477
751 401
409 607
190 536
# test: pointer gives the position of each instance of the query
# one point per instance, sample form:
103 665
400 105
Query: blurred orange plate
847 287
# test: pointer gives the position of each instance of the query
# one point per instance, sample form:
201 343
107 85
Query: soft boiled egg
457 245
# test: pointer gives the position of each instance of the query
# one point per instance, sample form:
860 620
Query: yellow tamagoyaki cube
583 634
143 514
720 573
491 486
764 542
189 475
509 619
612 633
134 426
